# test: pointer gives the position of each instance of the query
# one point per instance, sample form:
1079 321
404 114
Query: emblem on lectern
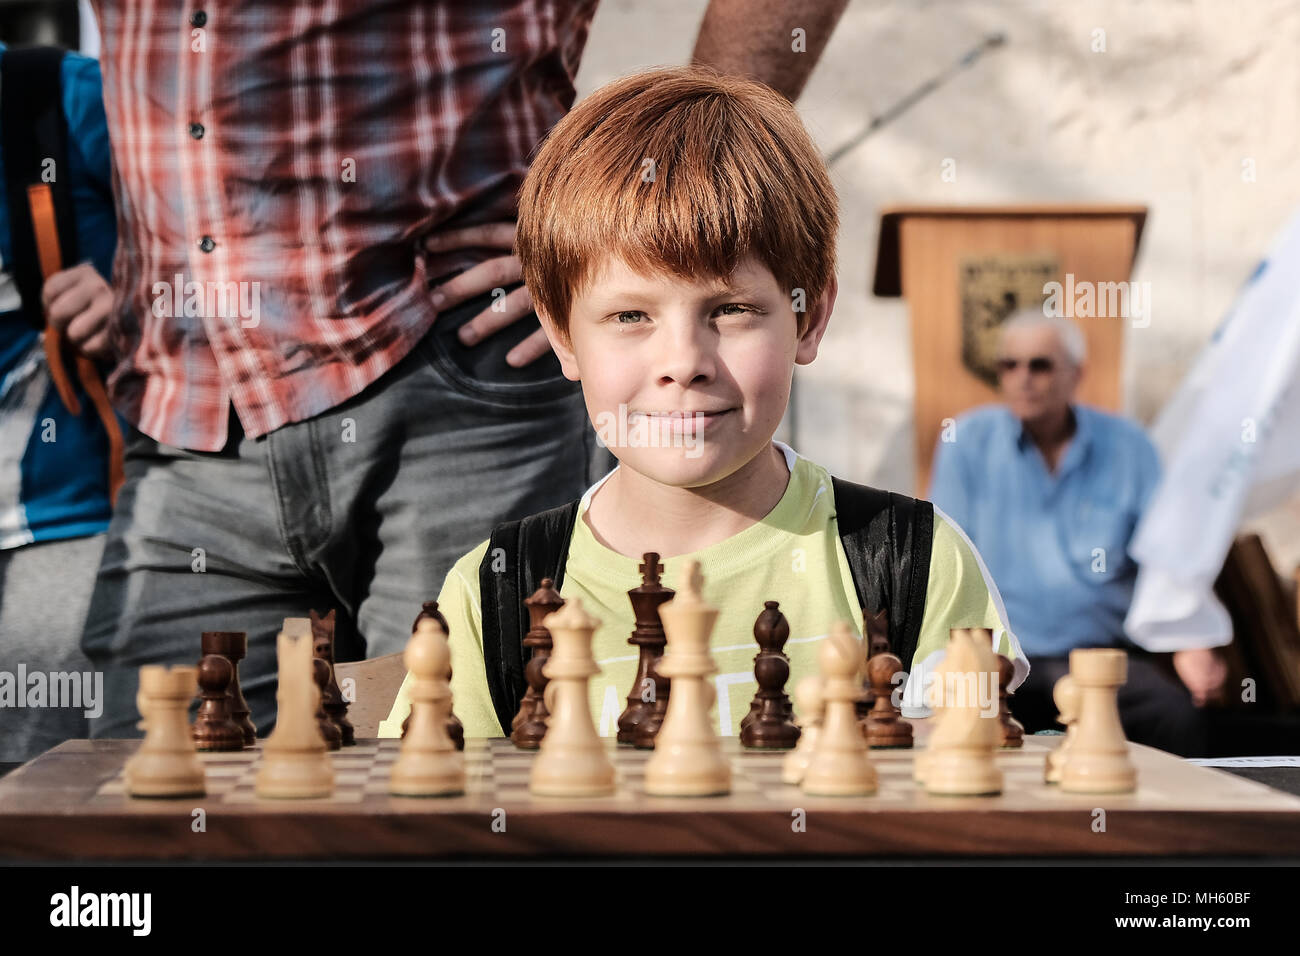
990 288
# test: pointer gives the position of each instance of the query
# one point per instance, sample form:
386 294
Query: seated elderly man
1050 491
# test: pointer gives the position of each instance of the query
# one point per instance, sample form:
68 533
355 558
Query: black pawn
214 728
876 629
328 729
768 726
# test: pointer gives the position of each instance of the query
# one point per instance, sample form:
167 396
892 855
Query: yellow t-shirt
794 556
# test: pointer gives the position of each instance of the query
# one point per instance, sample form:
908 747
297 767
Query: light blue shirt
1056 544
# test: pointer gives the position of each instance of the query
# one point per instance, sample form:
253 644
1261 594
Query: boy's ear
818 318
560 344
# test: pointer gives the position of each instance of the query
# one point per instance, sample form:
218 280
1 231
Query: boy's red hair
734 173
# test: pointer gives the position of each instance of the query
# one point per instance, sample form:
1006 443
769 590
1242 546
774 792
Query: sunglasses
1038 365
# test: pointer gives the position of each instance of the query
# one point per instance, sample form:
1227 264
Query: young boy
677 234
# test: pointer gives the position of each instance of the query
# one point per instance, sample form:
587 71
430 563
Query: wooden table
69 804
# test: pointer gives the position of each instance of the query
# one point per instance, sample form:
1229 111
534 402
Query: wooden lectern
964 270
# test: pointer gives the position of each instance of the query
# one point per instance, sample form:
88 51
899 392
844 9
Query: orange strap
41 200
47 250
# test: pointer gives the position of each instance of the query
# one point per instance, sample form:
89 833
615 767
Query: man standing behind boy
677 232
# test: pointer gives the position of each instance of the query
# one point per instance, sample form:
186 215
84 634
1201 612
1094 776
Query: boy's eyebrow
609 297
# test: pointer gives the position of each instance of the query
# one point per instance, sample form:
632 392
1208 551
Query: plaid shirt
277 166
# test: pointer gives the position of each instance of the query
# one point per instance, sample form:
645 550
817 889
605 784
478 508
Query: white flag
1230 443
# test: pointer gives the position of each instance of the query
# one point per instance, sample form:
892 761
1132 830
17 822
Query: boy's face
686 382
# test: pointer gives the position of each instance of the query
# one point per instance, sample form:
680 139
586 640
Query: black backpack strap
887 539
34 130
520 553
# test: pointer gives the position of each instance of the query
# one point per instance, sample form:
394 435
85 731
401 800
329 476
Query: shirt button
207 244
196 130
198 18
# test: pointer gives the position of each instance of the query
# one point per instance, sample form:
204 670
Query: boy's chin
681 467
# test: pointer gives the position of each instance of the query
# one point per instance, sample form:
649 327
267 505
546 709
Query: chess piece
688 759
166 763
768 726
455 729
322 630
233 646
1013 731
295 758
428 763
840 764
885 726
648 638
213 727
875 627
808 695
1066 697
328 729
571 761
967 733
1098 760
647 729
935 700
529 725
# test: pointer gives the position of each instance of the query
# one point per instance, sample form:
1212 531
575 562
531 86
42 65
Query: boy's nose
687 357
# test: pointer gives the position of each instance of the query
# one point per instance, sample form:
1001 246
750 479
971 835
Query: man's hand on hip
1203 671
484 277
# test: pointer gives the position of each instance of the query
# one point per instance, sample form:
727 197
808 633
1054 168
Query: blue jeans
363 508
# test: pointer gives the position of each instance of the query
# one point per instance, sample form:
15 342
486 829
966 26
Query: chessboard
71 804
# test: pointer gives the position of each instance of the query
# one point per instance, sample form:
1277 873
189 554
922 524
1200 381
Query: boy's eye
633 317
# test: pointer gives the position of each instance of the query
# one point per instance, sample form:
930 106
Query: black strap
887 539
520 553
33 130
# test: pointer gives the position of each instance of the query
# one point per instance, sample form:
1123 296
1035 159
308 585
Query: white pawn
167 763
840 765
295 758
968 733
428 764
1098 761
572 760
809 706
1066 697
688 760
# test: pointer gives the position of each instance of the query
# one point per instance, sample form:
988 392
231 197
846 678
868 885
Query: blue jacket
53 465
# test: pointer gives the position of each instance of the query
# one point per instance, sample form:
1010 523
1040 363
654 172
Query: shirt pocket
1098 536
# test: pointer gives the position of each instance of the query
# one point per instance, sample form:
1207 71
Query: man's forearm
756 38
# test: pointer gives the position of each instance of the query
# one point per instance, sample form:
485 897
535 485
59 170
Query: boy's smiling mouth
689 413
693 420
